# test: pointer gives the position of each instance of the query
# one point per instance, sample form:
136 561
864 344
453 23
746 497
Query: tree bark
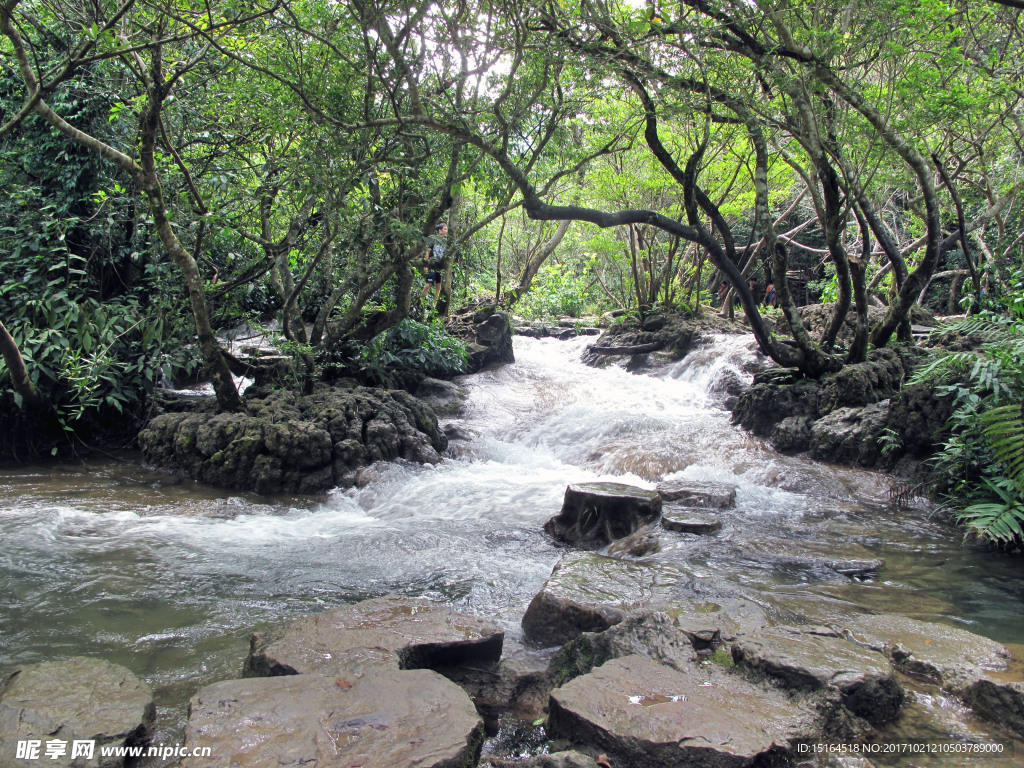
16 366
534 264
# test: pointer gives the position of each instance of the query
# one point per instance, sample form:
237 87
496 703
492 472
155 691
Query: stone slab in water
386 632
805 659
686 520
643 713
388 718
595 514
949 656
998 701
848 559
75 699
697 494
587 592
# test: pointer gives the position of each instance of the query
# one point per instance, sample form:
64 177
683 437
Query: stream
169 578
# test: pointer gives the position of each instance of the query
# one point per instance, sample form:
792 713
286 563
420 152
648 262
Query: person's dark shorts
433 278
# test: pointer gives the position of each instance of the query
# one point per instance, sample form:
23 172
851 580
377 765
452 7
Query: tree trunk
16 366
534 264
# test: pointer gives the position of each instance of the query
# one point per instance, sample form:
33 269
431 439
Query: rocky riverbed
738 577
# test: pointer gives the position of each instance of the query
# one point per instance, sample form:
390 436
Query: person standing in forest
771 299
433 261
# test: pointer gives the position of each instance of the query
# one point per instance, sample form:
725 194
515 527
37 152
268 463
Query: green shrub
412 346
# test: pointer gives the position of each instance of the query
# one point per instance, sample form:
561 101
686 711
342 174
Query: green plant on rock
413 346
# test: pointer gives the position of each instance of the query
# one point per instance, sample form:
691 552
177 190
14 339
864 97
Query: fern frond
994 521
1004 429
942 366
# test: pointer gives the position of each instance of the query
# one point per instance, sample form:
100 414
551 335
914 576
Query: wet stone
709 625
595 514
951 657
587 592
809 659
75 699
998 701
386 632
697 494
847 559
642 713
684 520
385 719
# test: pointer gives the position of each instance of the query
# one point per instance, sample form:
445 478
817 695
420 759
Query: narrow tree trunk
16 366
534 264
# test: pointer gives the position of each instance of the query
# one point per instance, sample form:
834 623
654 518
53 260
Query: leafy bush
981 467
412 346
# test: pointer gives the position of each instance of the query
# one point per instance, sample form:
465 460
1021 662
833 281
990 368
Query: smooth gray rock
587 592
844 558
388 632
643 713
997 701
805 659
386 719
595 514
444 397
685 520
697 494
952 657
75 699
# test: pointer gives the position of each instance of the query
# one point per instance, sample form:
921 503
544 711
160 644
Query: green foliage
981 467
413 346
557 291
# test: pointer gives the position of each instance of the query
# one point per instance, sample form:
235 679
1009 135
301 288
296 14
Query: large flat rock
952 657
587 592
78 699
803 659
386 719
835 557
595 514
643 713
387 632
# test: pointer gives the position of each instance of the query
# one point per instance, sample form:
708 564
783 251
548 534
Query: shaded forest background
169 170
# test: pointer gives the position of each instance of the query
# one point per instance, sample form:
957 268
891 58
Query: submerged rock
587 592
844 558
643 713
385 719
595 514
75 699
285 442
387 632
697 494
951 657
808 659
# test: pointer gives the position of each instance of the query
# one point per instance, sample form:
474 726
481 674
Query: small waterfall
720 367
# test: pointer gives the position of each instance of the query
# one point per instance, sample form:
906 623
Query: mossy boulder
284 442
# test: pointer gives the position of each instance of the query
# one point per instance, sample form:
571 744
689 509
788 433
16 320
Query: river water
169 578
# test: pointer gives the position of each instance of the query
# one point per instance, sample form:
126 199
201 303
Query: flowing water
168 577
